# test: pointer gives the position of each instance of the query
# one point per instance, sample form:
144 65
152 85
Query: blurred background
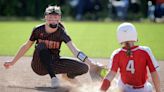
91 24
81 10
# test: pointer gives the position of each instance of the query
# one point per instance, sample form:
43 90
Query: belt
134 87
138 87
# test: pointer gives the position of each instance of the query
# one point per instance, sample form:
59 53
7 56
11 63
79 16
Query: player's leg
46 58
71 67
148 87
121 85
124 88
47 61
37 66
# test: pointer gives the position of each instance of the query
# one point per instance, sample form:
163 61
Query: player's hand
7 65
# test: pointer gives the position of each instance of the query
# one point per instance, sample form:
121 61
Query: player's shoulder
61 26
115 52
40 26
114 55
144 48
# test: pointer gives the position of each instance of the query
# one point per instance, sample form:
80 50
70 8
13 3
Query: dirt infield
21 78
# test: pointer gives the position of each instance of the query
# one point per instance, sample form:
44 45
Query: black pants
45 63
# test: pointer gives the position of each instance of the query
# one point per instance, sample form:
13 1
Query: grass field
96 39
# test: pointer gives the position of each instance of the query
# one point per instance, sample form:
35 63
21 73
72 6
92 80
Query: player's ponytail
128 52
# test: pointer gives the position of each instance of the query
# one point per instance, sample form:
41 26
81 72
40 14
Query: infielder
46 59
132 61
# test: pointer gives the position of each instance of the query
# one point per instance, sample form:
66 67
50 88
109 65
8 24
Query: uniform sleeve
151 61
114 61
65 37
33 36
109 66
115 64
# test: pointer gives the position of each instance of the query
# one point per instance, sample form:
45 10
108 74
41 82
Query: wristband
105 85
81 56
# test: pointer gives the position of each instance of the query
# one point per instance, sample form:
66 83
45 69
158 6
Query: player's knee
79 71
84 69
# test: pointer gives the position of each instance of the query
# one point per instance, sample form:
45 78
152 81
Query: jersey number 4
130 66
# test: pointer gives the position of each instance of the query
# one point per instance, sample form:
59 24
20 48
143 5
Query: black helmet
53 10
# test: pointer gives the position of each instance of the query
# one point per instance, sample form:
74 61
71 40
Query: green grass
96 39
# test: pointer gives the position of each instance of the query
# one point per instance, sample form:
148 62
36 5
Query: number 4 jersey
133 69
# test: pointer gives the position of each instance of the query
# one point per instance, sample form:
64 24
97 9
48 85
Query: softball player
132 61
46 59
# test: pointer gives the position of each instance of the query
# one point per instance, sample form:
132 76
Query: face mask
53 25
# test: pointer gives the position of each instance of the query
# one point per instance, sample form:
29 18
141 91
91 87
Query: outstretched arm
24 48
77 53
93 67
156 80
107 81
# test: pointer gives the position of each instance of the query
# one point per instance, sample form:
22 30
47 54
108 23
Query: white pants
126 88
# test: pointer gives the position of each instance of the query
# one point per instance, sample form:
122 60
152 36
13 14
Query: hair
128 52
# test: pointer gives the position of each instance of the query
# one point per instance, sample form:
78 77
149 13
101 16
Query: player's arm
153 67
156 80
107 81
23 49
77 53
110 76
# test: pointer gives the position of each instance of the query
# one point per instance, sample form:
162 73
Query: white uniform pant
127 88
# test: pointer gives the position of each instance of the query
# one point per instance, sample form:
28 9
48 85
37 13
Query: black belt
135 87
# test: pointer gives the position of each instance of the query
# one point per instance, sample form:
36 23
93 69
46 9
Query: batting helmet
126 32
